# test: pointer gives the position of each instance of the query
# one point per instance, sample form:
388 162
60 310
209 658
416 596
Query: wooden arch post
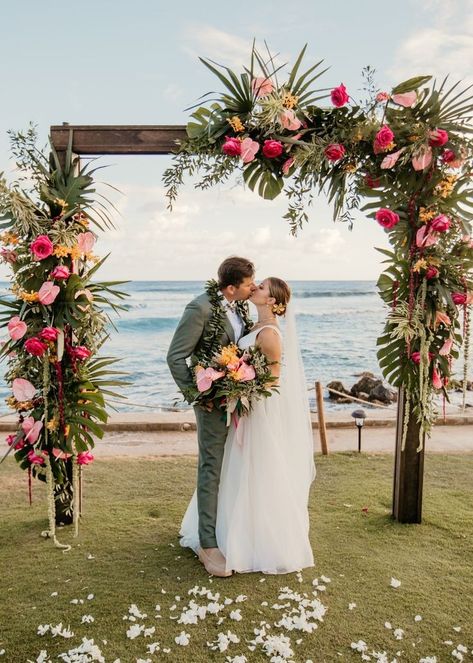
161 139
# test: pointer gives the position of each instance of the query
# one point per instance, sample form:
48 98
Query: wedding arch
406 153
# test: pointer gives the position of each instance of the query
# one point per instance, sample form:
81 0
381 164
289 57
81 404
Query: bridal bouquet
234 379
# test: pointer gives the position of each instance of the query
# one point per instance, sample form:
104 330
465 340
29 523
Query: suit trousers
211 434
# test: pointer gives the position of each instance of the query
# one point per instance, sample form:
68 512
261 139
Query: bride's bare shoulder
269 339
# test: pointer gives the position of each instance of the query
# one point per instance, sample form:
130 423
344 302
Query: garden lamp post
359 416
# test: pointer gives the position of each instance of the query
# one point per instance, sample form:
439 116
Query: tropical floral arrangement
234 379
408 151
54 321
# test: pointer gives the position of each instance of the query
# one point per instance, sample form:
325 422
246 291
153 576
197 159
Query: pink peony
48 293
205 377
249 148
81 352
34 346
42 247
390 160
49 334
288 120
438 137
16 328
431 273
382 96
245 372
262 86
287 165
459 298
34 458
32 429
440 224
8 256
424 237
415 356
436 379
334 152
86 241
387 218
446 347
60 272
84 458
272 148
23 390
383 139
339 96
232 146
422 158
406 99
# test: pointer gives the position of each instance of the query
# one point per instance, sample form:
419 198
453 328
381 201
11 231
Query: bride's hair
281 293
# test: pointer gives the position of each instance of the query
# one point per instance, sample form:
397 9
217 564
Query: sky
122 62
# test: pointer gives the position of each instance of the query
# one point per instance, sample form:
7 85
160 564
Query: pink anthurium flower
390 160
406 99
249 148
423 158
205 377
436 379
32 429
48 293
245 372
16 328
426 237
262 86
288 120
23 390
446 347
86 241
62 455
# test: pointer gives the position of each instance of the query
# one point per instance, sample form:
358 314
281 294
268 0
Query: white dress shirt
235 320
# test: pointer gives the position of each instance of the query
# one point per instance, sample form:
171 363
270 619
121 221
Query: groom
216 318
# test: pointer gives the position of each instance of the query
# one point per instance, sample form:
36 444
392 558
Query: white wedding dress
268 467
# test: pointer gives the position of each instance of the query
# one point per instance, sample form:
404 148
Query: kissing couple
249 511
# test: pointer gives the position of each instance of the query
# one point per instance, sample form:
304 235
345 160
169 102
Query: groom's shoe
214 562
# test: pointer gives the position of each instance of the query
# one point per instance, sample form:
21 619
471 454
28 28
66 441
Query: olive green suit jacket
187 340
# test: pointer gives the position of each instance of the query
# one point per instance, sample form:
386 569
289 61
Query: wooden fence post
319 397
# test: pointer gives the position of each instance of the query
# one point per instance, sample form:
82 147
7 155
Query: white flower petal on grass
236 659
166 650
43 629
462 648
63 632
418 618
325 579
182 639
144 660
236 615
351 606
457 628
134 612
149 631
448 642
153 647
458 655
89 556
428 659
360 646
74 601
398 633
240 598
134 631
54 594
2 652
395 583
42 657
387 625
228 601
262 579
87 619
264 603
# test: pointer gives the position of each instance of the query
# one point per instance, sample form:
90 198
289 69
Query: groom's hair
234 270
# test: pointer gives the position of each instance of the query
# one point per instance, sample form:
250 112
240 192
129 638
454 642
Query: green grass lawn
132 511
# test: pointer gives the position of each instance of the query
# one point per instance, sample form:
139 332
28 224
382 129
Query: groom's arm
183 343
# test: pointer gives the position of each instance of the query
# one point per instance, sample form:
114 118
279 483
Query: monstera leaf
267 183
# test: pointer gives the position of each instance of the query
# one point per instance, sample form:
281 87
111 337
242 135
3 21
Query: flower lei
211 341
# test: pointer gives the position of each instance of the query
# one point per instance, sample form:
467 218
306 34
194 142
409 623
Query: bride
268 466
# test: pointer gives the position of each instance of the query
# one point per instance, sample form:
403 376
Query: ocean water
338 323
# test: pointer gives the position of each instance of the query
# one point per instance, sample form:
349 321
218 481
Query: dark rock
365 384
382 394
363 395
338 386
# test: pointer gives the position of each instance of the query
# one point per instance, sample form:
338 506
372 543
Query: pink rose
425 237
34 458
440 224
334 151
406 99
459 298
288 120
249 148
339 96
390 160
446 347
387 218
383 139
232 146
436 379
451 159
415 356
84 458
371 181
23 390
272 148
60 272
287 165
205 377
81 352
48 293
42 247
35 346
59 453
32 429
382 96
422 158
49 334
261 86
438 137
8 256
86 241
431 273
16 328
245 372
